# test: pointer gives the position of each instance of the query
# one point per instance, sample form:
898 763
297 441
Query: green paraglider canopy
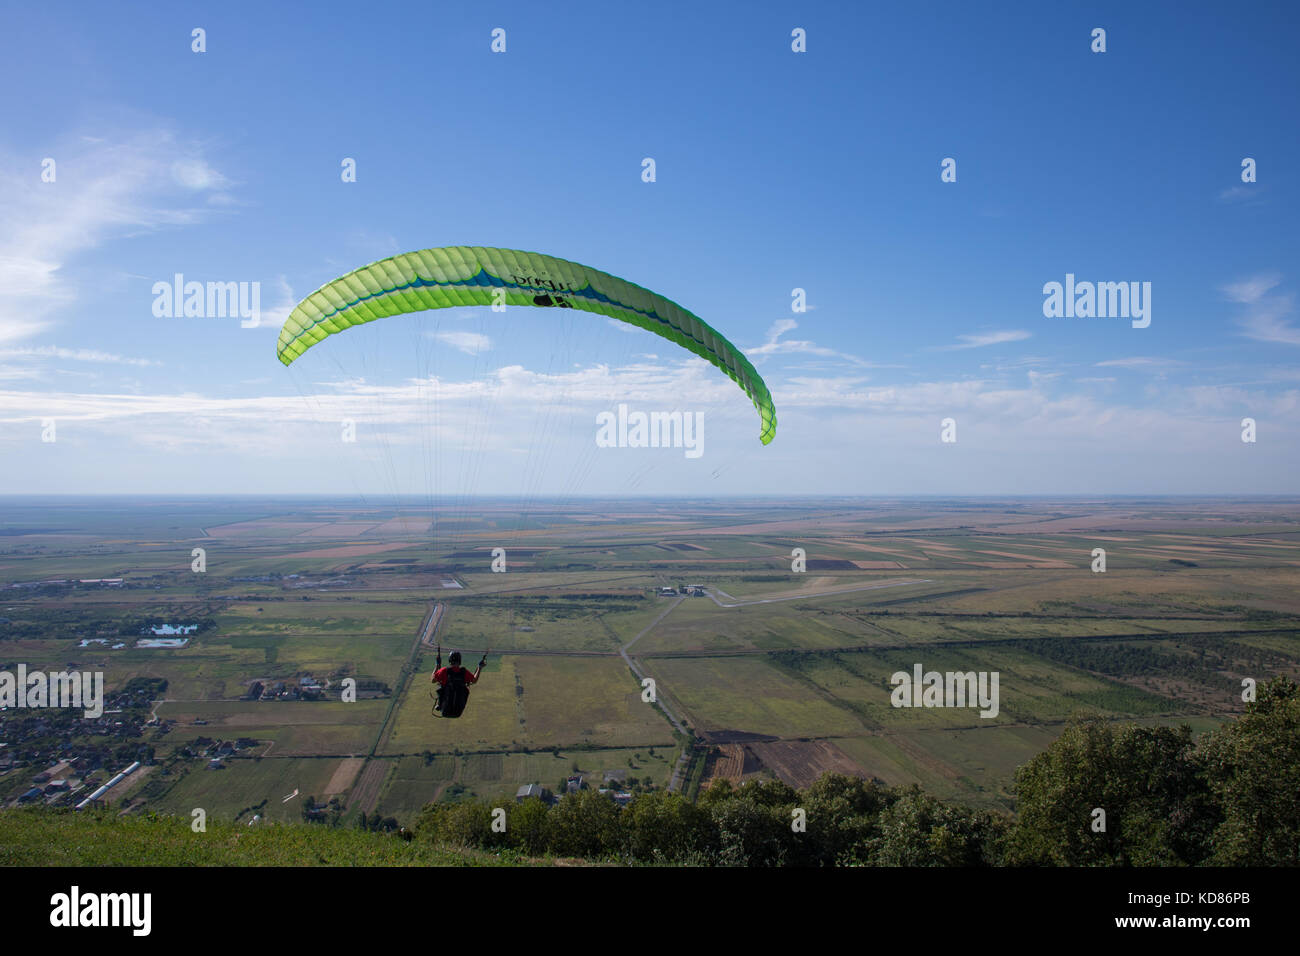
453 276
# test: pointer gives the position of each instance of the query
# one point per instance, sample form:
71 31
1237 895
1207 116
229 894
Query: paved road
684 757
640 675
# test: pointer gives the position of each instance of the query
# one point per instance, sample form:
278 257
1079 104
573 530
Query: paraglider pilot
453 683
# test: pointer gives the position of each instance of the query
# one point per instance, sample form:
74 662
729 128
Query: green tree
469 824
842 818
1146 779
918 830
720 791
750 834
1253 768
528 827
667 826
586 824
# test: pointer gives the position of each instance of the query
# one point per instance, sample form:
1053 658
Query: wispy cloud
1268 318
1252 289
471 343
76 355
775 345
195 173
1139 361
1242 193
101 188
1270 322
515 397
979 340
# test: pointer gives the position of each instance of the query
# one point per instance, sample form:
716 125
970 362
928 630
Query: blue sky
775 170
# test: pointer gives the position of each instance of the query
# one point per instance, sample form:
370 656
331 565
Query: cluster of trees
1203 659
1101 795
327 813
1231 798
847 821
376 823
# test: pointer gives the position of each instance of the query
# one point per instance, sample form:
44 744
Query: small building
532 790
33 794
573 784
667 592
216 764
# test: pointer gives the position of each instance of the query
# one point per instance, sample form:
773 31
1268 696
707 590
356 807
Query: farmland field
318 608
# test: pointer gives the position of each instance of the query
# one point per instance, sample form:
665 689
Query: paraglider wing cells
453 276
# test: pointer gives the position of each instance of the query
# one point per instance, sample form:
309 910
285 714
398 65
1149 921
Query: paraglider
463 276
452 276
453 684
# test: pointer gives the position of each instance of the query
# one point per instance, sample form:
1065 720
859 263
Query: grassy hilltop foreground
30 837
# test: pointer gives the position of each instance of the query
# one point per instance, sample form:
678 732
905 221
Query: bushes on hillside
1233 798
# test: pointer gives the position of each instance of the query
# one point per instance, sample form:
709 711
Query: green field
1197 596
250 783
288 727
534 702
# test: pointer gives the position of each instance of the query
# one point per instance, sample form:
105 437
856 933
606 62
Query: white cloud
77 355
1252 289
1138 361
471 343
1268 321
780 327
776 346
1037 423
1267 317
982 339
1236 399
102 188
195 173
